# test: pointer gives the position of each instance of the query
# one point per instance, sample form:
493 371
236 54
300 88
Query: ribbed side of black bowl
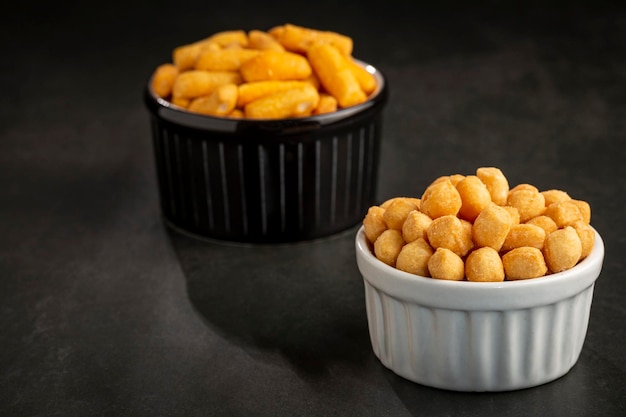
266 181
224 187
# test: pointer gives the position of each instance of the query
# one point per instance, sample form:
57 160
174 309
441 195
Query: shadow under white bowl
477 336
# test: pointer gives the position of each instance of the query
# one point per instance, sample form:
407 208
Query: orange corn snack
261 64
333 71
366 80
163 79
295 102
236 113
257 39
276 65
249 92
229 37
220 103
327 104
229 59
185 56
181 101
299 39
196 83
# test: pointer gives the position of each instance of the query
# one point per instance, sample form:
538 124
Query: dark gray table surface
106 312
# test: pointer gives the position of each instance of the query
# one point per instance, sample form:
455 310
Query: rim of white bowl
484 296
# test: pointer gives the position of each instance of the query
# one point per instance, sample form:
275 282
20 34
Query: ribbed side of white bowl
477 350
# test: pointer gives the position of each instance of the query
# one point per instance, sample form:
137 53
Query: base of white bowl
477 350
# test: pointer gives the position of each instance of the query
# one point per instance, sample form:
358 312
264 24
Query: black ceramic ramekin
267 181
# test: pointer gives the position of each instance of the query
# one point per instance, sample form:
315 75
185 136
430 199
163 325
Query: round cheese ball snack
524 235
524 263
528 202
388 246
451 233
587 237
484 265
585 210
388 202
491 227
546 223
524 186
496 183
374 223
414 256
514 213
562 249
456 178
474 197
441 198
415 226
397 211
553 196
445 264
563 213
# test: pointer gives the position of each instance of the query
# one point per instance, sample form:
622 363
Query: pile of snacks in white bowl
478 286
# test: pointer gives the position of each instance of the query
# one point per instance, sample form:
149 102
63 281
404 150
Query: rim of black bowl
180 116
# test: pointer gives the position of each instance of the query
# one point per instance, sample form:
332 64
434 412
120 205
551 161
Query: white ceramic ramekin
477 336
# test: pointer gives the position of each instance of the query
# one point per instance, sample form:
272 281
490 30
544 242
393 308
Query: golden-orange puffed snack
251 91
299 39
285 53
440 198
491 227
385 204
374 223
563 212
456 178
258 39
484 265
513 214
185 56
554 195
221 102
365 79
524 234
524 263
496 183
294 102
449 232
445 264
224 59
327 104
521 233
414 257
474 197
415 226
587 237
196 83
546 223
276 65
562 249
397 211
529 202
163 79
524 186
388 246
334 72
585 209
